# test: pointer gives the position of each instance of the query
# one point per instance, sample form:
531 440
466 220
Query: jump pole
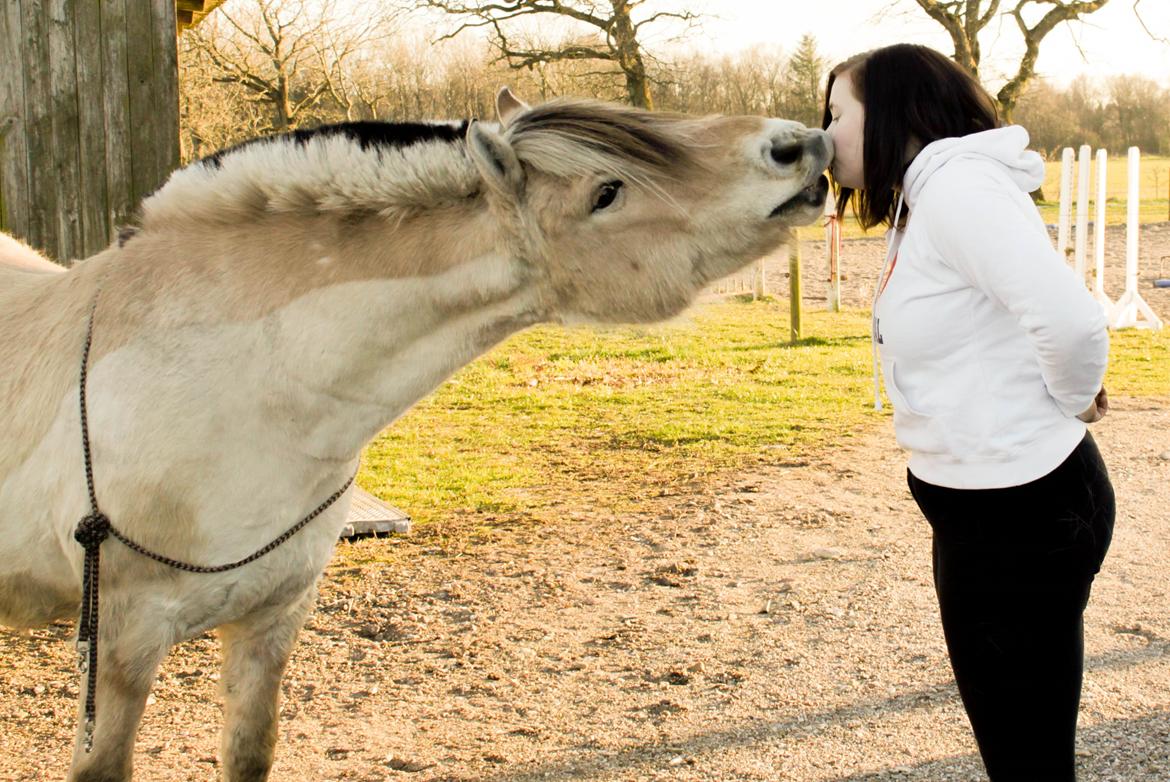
1099 235
833 251
1131 310
1082 232
1066 177
794 285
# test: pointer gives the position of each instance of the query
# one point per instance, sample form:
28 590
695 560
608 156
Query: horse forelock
574 137
358 168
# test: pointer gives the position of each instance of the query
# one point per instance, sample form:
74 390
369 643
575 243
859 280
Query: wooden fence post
794 284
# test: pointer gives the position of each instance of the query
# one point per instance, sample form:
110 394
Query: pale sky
1112 40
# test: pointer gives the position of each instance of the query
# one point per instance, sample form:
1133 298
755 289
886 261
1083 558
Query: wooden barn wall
89 117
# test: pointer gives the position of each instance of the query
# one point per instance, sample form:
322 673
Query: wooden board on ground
368 515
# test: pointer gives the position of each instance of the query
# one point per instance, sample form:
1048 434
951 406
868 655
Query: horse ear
495 159
508 106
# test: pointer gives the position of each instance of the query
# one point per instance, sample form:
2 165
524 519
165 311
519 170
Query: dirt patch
781 626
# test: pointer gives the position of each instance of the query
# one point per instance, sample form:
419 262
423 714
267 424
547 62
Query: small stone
409 766
828 553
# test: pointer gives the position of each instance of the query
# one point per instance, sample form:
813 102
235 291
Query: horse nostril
787 154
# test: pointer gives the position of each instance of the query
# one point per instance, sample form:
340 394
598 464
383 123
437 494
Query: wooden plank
192 12
144 120
166 87
42 224
120 202
368 515
66 129
14 195
95 224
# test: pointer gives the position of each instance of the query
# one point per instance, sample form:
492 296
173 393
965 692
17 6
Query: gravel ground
779 626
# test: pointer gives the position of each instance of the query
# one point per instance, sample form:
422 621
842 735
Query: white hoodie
990 345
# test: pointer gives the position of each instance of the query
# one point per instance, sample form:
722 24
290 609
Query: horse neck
331 330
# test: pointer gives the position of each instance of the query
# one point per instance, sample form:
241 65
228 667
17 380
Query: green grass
609 415
1155 179
1139 363
560 421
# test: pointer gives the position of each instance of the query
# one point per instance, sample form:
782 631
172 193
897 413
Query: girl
993 355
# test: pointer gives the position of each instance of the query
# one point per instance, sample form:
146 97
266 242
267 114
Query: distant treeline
231 89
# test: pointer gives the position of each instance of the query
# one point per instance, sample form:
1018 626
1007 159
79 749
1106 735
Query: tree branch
1146 27
505 11
1059 13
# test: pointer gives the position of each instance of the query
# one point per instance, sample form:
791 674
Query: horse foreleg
129 653
256 651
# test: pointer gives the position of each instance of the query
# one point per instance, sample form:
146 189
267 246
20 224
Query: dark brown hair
911 94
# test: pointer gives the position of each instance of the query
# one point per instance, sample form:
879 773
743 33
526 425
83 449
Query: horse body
284 303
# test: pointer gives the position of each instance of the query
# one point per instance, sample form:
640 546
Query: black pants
1012 569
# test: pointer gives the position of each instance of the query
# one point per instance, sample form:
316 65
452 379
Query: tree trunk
624 41
283 105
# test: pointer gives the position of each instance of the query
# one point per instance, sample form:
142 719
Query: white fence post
1131 310
833 252
1066 177
1099 235
1082 232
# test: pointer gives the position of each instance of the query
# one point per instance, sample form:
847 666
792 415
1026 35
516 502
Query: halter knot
92 530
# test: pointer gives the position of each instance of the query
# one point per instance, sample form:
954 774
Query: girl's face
847 129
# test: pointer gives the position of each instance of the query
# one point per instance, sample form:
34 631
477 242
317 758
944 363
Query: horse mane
395 169
355 168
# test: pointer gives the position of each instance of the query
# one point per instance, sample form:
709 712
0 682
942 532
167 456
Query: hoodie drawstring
891 252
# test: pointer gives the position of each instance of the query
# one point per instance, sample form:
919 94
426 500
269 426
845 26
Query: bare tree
965 19
613 34
287 54
344 46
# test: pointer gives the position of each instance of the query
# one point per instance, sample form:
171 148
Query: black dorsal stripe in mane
366 132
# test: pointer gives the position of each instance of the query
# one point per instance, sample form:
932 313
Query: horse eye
606 195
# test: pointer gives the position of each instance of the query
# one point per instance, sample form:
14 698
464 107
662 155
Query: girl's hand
1098 409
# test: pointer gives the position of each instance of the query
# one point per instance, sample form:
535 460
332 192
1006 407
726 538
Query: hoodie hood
1007 147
